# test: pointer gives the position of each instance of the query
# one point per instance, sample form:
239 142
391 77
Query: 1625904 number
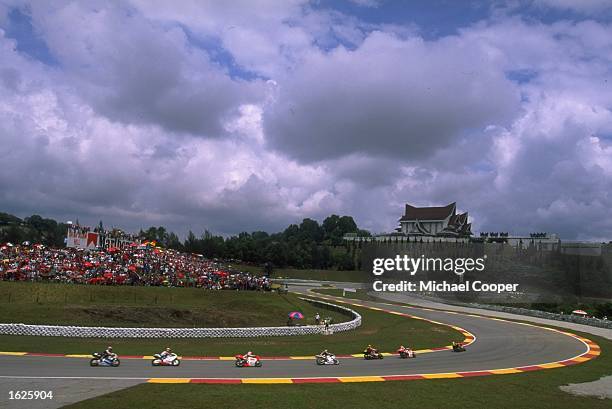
29 395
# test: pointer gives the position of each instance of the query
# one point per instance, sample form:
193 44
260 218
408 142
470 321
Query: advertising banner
82 240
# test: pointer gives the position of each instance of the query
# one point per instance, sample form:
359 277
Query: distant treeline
34 229
307 245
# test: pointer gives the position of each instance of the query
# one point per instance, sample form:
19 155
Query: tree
174 242
306 245
311 231
191 243
13 234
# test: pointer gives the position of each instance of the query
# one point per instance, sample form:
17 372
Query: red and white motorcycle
168 360
405 353
243 361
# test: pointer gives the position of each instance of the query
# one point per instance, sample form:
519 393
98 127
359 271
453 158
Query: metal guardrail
593 322
110 332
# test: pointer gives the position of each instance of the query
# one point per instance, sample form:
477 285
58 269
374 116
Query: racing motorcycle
97 360
458 348
406 353
168 360
242 361
372 355
327 360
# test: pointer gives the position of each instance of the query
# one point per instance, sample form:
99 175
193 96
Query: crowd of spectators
137 264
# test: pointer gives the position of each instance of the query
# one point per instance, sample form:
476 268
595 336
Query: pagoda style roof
428 213
458 219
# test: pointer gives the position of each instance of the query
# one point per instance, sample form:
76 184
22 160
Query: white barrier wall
109 332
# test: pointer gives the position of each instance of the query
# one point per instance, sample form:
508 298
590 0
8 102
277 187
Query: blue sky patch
28 41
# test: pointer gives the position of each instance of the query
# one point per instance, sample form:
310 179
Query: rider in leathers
370 350
108 353
165 353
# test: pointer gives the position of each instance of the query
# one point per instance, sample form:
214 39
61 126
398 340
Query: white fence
110 332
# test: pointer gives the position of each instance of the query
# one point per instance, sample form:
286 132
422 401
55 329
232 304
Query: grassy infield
55 303
60 304
530 390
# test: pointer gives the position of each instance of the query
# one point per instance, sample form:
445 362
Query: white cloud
139 124
136 71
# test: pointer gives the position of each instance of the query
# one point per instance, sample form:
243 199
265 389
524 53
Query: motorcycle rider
248 355
458 346
408 351
326 357
108 353
166 353
370 350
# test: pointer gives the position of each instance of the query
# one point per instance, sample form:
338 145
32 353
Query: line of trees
305 245
34 229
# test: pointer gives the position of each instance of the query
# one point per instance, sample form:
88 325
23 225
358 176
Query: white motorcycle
329 359
168 360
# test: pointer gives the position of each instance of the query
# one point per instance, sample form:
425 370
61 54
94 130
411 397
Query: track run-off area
495 347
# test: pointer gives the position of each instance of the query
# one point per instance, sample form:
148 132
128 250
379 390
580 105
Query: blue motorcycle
97 360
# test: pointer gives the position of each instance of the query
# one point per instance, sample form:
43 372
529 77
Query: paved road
498 345
428 303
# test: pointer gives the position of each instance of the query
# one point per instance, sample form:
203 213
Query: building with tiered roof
442 221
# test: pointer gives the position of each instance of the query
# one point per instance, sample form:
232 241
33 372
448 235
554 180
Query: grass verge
69 304
386 331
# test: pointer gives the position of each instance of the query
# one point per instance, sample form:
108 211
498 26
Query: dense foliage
305 245
34 229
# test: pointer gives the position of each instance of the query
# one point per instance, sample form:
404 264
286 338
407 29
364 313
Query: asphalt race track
499 345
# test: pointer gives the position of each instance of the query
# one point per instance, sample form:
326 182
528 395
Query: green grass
65 304
386 331
538 389
354 276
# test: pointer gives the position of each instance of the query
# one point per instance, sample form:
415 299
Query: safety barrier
110 332
576 319
594 322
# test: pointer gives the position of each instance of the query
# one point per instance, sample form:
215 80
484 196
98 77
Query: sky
250 115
